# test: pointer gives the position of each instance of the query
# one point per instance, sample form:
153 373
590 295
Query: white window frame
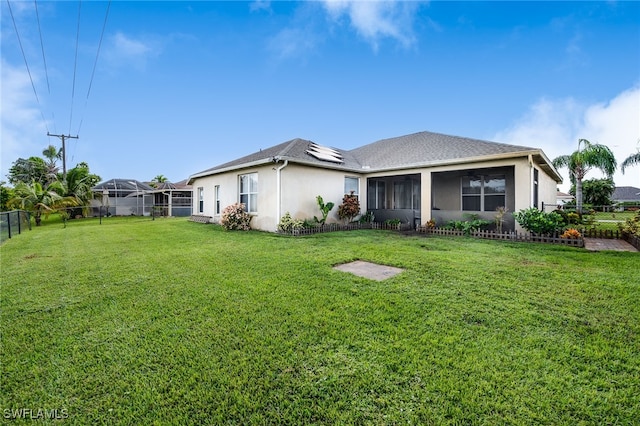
348 188
200 199
216 198
482 194
250 193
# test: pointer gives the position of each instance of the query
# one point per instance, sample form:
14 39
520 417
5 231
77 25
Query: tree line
39 187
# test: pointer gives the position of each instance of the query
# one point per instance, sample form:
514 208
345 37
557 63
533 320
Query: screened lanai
122 197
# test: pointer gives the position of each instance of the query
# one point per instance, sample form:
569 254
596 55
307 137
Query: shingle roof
295 149
417 149
626 193
428 148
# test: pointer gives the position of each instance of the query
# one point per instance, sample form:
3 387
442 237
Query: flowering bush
289 224
235 218
571 233
430 224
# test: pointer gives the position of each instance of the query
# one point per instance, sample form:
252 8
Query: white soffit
324 153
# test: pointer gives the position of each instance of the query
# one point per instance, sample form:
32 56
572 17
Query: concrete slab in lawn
373 271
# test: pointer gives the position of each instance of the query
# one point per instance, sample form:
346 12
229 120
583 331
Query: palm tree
78 184
581 161
52 154
40 200
158 179
631 160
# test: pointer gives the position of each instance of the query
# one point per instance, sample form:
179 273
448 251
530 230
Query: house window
217 198
483 193
200 200
249 192
352 184
376 195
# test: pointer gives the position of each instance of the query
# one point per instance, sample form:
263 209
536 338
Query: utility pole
64 152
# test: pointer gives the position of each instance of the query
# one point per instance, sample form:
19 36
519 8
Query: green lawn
609 221
171 322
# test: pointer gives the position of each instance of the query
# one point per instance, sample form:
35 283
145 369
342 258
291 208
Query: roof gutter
230 168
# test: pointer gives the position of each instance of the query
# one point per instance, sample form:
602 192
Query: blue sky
179 87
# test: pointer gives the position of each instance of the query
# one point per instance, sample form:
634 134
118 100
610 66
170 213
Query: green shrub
324 208
474 223
573 218
310 223
368 217
631 226
539 222
289 224
235 218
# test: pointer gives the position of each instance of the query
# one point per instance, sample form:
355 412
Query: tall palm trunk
579 195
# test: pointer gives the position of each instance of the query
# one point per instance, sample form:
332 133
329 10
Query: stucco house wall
290 177
302 184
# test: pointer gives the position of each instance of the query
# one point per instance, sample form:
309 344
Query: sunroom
462 194
395 198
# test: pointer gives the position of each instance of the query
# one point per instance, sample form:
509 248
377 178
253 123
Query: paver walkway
599 244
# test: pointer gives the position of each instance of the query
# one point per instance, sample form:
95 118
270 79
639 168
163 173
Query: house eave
539 156
229 169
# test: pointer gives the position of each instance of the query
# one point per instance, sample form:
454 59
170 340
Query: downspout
530 180
279 189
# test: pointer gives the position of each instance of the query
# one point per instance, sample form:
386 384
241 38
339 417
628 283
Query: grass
609 221
170 322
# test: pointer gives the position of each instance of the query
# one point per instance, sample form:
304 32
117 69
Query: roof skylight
324 153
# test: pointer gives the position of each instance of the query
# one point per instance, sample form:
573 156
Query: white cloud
556 125
260 5
291 42
373 20
376 20
21 122
126 51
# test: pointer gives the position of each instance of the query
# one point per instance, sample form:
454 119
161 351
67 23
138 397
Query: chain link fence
13 223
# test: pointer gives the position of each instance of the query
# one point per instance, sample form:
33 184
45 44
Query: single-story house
413 178
172 199
122 197
564 198
626 194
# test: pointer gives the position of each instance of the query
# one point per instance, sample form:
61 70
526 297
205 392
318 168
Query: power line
75 66
27 65
46 72
104 25
95 63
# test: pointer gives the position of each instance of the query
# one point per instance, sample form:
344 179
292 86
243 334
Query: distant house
626 194
172 199
123 197
126 197
413 178
564 198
